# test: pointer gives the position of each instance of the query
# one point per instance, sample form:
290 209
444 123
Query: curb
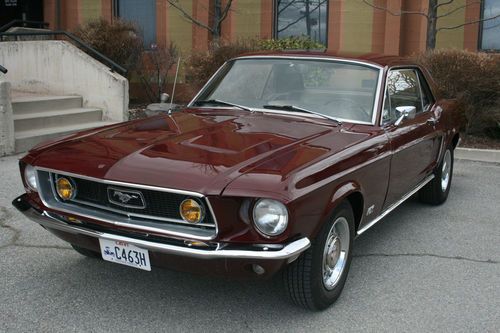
482 155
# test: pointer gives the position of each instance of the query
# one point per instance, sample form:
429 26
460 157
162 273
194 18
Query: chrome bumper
288 252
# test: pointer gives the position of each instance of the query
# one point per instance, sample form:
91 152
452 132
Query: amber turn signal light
191 211
65 188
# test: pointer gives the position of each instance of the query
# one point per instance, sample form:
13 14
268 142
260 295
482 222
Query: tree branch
225 11
459 8
467 23
174 3
401 12
443 4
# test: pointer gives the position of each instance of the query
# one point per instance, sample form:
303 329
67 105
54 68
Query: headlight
30 177
65 188
191 211
270 217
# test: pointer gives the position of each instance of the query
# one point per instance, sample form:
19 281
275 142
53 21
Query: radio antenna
175 82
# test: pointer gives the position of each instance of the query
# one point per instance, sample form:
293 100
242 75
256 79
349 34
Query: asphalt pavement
420 269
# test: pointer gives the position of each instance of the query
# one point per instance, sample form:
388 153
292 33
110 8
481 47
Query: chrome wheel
445 171
336 252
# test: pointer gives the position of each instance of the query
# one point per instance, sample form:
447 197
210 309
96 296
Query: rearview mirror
405 112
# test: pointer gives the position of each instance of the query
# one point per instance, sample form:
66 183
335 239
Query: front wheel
436 191
316 279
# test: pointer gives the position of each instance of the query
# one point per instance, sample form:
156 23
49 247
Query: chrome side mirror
405 112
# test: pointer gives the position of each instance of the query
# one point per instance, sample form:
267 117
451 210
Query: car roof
372 58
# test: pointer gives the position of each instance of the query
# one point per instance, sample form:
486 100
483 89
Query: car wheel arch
349 191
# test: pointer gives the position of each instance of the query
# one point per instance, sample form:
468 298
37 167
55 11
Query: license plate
125 254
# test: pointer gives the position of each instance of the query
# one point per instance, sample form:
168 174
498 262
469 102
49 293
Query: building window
490 29
302 18
142 13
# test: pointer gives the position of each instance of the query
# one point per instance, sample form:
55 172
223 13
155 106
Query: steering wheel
342 102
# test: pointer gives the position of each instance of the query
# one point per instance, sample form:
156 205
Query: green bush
474 79
290 43
201 66
118 40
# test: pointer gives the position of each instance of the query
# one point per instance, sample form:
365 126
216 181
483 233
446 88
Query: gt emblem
126 198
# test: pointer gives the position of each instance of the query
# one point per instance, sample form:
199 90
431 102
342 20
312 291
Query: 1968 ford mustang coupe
277 164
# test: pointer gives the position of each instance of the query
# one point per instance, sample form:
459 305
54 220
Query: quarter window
295 18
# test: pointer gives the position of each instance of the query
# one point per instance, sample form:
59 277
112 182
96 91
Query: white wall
59 68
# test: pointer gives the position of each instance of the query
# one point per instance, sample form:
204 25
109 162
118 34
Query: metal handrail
12 23
3 69
91 51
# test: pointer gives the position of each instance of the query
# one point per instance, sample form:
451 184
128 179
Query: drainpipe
58 15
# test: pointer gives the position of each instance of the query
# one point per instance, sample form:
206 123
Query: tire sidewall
323 297
442 195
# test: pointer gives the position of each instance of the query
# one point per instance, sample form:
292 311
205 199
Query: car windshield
336 89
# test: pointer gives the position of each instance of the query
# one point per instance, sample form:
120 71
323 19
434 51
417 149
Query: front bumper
285 253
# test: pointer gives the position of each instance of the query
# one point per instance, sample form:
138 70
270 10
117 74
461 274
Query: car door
414 140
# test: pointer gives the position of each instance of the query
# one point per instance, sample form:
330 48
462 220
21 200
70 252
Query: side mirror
405 112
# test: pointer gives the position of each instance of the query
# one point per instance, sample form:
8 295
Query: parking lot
422 269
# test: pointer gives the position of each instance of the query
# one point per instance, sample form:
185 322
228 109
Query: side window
403 90
427 98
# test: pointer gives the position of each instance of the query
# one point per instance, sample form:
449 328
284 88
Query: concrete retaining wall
59 68
6 122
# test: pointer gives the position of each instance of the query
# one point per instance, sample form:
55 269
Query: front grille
159 205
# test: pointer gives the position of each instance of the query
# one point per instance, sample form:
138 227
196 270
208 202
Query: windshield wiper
220 102
299 109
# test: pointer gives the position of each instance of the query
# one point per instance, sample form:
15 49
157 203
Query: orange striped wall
353 26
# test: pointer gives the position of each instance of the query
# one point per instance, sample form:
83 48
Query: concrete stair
40 117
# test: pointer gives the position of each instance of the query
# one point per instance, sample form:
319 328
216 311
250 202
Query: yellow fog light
191 211
65 188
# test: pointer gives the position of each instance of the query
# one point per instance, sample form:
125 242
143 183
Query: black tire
433 193
303 278
85 252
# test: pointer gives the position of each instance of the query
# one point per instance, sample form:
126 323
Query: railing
3 69
24 24
81 44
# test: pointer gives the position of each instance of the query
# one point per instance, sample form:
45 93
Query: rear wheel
316 279
436 191
85 252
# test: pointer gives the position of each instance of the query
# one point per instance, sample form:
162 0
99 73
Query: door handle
432 121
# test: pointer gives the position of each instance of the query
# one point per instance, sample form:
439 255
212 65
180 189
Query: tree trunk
217 21
431 25
308 19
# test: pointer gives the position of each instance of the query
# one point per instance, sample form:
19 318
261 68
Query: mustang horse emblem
124 197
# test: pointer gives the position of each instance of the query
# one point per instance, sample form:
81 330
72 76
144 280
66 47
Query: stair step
27 139
49 119
35 104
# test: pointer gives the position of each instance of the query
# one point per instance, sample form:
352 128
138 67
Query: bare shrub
154 67
118 40
474 79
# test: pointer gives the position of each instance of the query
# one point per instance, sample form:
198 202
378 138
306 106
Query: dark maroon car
276 165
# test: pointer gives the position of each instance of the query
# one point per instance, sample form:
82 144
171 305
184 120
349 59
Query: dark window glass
302 18
490 29
142 13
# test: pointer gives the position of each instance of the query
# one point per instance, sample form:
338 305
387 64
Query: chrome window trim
129 225
327 59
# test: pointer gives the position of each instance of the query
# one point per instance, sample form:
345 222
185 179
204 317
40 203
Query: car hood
199 150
